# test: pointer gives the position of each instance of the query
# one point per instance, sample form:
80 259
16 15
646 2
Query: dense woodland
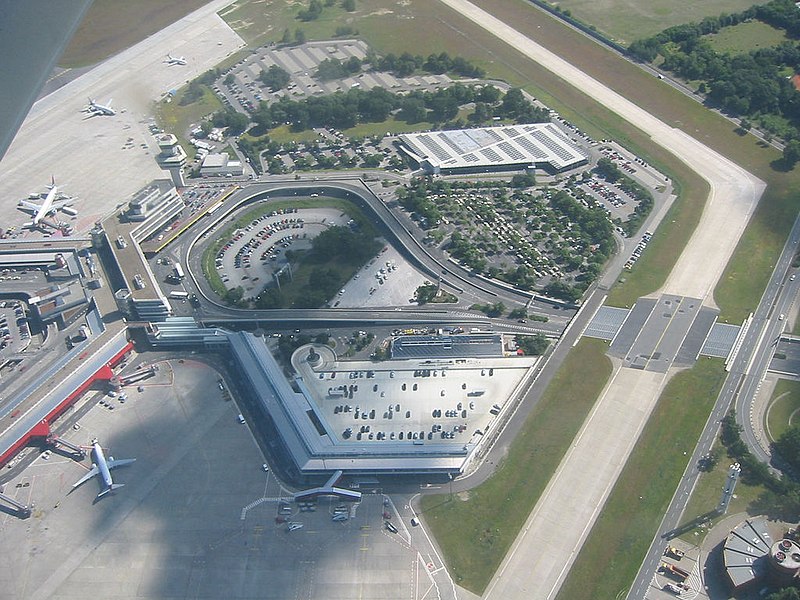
755 85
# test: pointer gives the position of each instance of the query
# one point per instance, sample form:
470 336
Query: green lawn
628 20
259 22
707 493
391 126
784 403
745 37
475 529
613 552
177 118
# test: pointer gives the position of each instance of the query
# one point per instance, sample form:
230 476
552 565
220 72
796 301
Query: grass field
628 20
610 558
706 495
784 403
259 22
391 126
177 118
744 37
111 26
475 529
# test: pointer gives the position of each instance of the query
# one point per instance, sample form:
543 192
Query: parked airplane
102 467
175 60
53 200
95 109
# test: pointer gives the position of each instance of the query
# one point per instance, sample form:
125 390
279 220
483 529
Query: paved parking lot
386 280
438 401
258 251
301 63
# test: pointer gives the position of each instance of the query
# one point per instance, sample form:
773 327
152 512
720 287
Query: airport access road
432 263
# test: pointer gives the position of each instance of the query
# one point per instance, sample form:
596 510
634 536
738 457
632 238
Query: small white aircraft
102 467
95 109
53 200
175 60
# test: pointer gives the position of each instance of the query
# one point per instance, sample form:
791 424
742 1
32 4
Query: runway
542 554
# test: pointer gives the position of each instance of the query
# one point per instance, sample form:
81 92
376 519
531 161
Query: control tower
172 157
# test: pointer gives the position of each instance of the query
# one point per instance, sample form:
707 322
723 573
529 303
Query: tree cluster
235 122
275 78
593 226
532 345
782 496
333 68
750 84
347 109
406 64
415 199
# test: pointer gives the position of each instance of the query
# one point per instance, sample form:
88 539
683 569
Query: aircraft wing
29 205
119 463
61 203
92 472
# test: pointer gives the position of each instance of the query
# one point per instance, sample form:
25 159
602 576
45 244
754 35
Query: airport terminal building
414 415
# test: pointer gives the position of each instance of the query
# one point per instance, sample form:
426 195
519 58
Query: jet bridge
23 511
55 442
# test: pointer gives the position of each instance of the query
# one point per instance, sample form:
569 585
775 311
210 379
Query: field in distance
110 27
629 20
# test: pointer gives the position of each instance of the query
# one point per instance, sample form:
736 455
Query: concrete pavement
89 155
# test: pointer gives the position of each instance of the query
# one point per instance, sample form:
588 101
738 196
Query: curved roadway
431 262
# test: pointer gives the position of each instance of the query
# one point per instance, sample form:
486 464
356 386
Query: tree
299 36
785 594
791 153
275 78
608 169
532 345
311 13
523 180
287 36
349 5
788 446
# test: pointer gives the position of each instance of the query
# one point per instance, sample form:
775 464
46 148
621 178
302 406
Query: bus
178 272
179 295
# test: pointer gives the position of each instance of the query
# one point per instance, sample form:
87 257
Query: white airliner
53 201
102 467
94 108
175 60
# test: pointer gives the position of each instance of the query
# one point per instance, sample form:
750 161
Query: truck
177 272
675 572
179 295
674 552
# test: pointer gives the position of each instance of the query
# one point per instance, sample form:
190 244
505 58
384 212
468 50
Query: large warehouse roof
541 144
